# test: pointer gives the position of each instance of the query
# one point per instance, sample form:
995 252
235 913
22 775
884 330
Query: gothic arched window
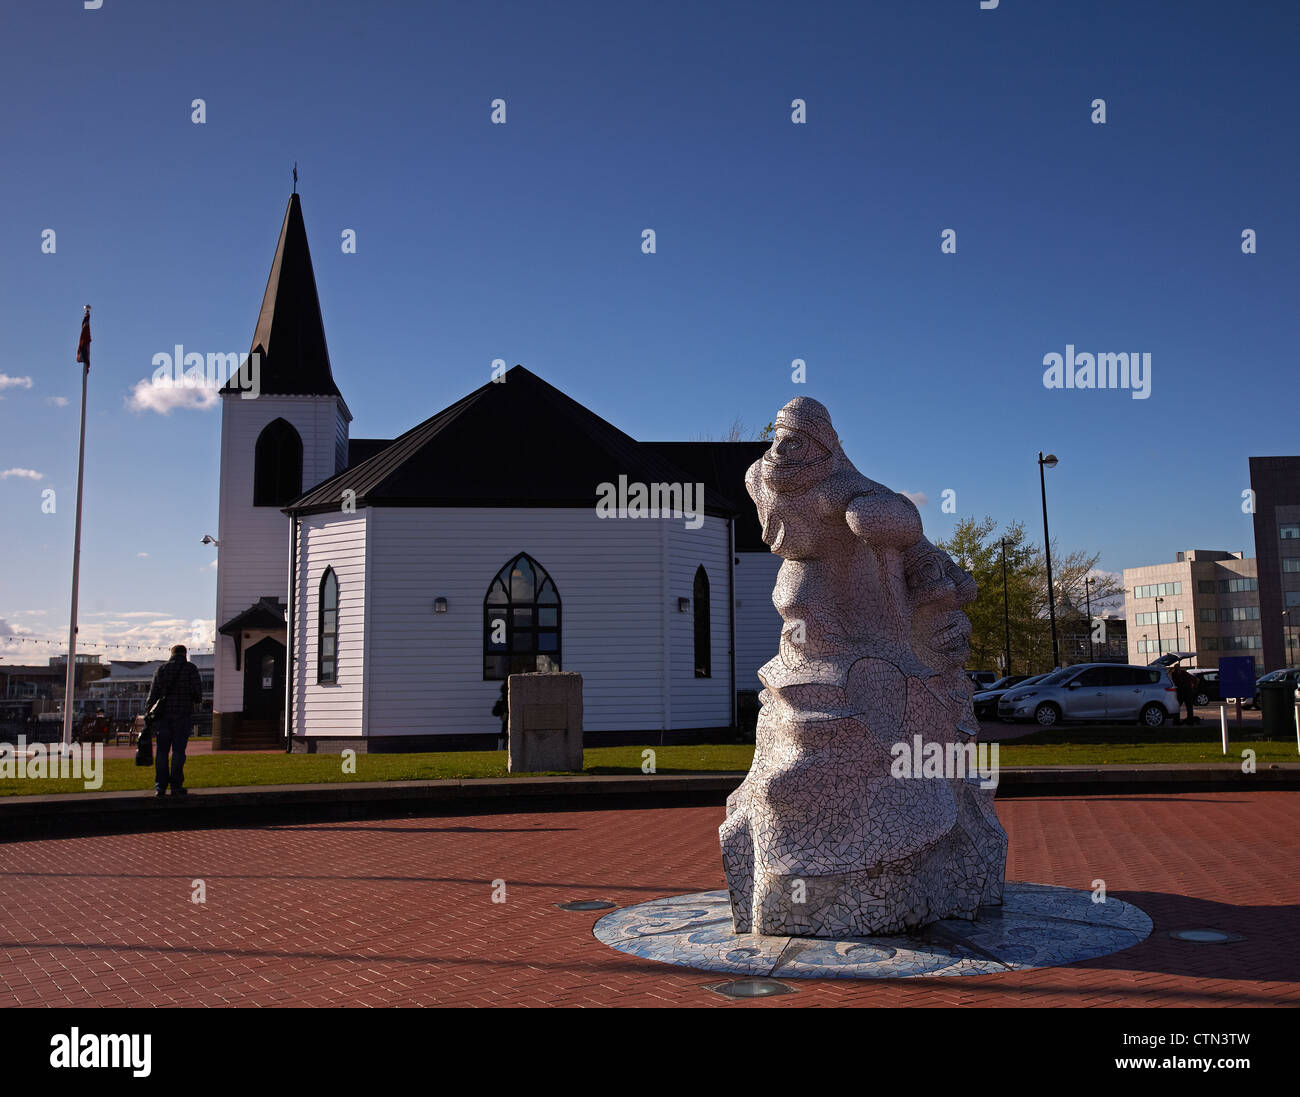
521 621
277 465
700 601
327 628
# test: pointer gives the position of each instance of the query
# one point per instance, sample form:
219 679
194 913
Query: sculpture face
781 482
938 589
796 461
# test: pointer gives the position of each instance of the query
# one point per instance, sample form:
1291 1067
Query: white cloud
165 397
7 382
26 474
917 497
213 565
114 638
146 639
57 401
142 555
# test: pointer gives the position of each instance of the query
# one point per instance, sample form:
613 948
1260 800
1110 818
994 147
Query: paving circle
1037 926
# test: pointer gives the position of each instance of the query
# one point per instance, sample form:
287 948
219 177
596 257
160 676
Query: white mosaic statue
821 839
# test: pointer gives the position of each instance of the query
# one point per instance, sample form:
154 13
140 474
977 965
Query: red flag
83 344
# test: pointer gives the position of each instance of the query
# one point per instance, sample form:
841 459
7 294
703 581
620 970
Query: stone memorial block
545 721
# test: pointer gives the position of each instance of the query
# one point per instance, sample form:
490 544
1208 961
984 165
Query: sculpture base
1036 926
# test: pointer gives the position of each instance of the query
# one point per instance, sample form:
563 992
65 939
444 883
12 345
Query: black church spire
290 335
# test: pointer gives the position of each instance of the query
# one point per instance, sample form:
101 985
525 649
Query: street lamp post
1006 613
1160 647
1188 629
1087 597
1048 462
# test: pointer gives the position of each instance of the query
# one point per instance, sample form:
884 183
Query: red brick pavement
400 912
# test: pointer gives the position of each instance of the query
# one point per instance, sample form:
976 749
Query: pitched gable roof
290 334
517 442
722 467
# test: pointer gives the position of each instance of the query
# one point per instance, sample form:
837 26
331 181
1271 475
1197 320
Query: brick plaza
399 912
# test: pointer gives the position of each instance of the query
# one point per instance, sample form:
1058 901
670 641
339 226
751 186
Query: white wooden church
409 577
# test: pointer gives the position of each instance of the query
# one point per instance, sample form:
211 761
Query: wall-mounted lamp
440 605
683 605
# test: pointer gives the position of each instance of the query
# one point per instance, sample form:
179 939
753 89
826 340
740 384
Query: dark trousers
171 735
1188 700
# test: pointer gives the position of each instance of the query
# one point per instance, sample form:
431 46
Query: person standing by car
178 685
1186 686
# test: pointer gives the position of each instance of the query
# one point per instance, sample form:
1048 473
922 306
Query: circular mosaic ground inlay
1036 926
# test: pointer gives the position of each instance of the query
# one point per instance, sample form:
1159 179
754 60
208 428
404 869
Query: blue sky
775 241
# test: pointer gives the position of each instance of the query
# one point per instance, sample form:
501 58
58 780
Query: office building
1206 602
1275 482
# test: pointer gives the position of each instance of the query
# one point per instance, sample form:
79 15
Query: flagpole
69 692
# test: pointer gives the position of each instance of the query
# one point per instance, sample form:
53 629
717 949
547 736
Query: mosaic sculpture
823 839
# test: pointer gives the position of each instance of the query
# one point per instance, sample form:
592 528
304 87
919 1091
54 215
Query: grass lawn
237 770
1124 745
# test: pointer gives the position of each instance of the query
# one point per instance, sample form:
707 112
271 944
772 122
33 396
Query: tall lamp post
1160 647
1290 636
1087 597
1006 613
1188 630
1048 462
1146 644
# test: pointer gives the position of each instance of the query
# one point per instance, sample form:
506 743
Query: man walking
179 687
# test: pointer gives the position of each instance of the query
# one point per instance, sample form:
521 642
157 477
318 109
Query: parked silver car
1095 691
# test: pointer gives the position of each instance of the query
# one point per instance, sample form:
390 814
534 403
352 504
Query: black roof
264 613
362 449
290 334
722 467
514 442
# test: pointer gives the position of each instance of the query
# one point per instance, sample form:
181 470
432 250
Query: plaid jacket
179 679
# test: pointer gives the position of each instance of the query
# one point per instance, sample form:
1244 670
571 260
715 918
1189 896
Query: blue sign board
1237 676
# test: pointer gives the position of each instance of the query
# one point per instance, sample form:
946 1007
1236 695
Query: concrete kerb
72 814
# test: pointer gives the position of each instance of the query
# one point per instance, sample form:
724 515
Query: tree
978 549
1072 601
974 546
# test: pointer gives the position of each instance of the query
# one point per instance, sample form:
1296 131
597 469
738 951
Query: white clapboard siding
425 670
699 702
758 625
254 553
335 541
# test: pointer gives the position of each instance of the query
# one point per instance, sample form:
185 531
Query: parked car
1095 691
982 679
986 700
1287 675
1172 657
1207 685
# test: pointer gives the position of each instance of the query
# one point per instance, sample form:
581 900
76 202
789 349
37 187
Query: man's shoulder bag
144 748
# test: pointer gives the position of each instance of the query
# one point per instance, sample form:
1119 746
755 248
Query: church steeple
290 335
